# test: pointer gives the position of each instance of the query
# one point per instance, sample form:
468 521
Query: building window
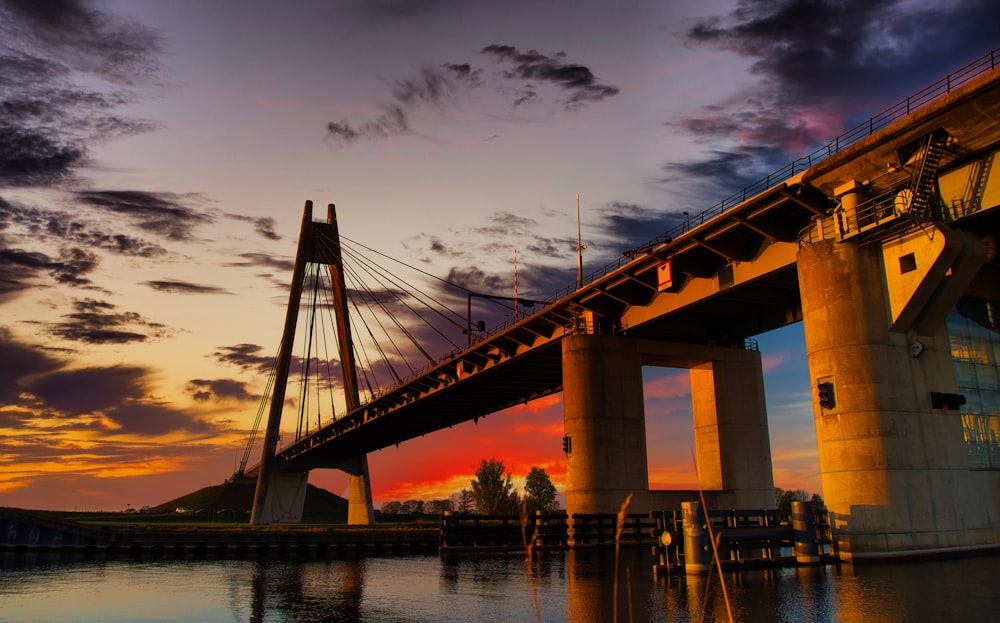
975 350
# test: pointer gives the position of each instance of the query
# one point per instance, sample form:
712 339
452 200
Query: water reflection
573 586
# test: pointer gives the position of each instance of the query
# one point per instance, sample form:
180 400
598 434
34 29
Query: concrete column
604 419
894 470
732 443
286 497
360 511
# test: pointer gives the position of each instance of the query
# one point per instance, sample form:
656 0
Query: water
564 586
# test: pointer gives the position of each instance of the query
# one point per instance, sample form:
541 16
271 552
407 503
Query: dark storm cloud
164 214
151 419
825 66
119 393
219 389
98 322
19 361
49 49
87 39
89 390
629 225
184 287
438 86
578 81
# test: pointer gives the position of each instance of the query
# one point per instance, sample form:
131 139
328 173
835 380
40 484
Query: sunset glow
155 157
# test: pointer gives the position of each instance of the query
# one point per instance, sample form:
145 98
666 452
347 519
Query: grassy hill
236 496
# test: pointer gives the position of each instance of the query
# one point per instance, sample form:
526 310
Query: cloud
164 214
151 419
89 390
520 78
184 287
20 361
98 322
580 84
283 264
263 225
61 227
219 389
66 68
823 68
430 87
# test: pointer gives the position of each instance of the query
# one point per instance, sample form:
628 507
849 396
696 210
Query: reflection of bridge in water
871 241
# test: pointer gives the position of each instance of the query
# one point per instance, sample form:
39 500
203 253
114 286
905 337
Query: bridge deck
734 277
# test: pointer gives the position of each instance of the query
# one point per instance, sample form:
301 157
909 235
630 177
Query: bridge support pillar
360 511
285 497
893 463
604 419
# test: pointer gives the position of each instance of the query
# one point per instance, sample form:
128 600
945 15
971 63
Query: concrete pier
893 462
604 419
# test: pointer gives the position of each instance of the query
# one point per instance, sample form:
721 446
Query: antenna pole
579 247
515 284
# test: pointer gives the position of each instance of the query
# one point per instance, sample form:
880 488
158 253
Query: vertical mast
359 497
281 369
579 247
344 341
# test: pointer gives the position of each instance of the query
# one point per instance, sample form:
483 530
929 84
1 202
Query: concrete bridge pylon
604 421
893 462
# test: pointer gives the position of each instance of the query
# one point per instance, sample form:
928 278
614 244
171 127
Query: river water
558 586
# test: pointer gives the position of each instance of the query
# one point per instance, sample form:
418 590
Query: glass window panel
965 374
990 402
986 377
972 403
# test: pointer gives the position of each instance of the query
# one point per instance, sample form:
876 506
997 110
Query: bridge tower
280 493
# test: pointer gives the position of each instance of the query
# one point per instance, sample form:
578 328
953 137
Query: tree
438 507
464 504
391 508
539 492
784 498
492 490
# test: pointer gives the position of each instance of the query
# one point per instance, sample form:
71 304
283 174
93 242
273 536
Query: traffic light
567 444
824 390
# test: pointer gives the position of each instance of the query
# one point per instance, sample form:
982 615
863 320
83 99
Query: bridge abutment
604 419
893 462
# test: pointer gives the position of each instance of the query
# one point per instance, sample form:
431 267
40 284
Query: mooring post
804 531
697 546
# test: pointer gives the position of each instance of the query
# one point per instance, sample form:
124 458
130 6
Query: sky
155 158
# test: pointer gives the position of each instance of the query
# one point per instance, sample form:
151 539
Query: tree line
491 492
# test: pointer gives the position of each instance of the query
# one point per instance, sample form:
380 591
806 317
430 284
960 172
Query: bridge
871 241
